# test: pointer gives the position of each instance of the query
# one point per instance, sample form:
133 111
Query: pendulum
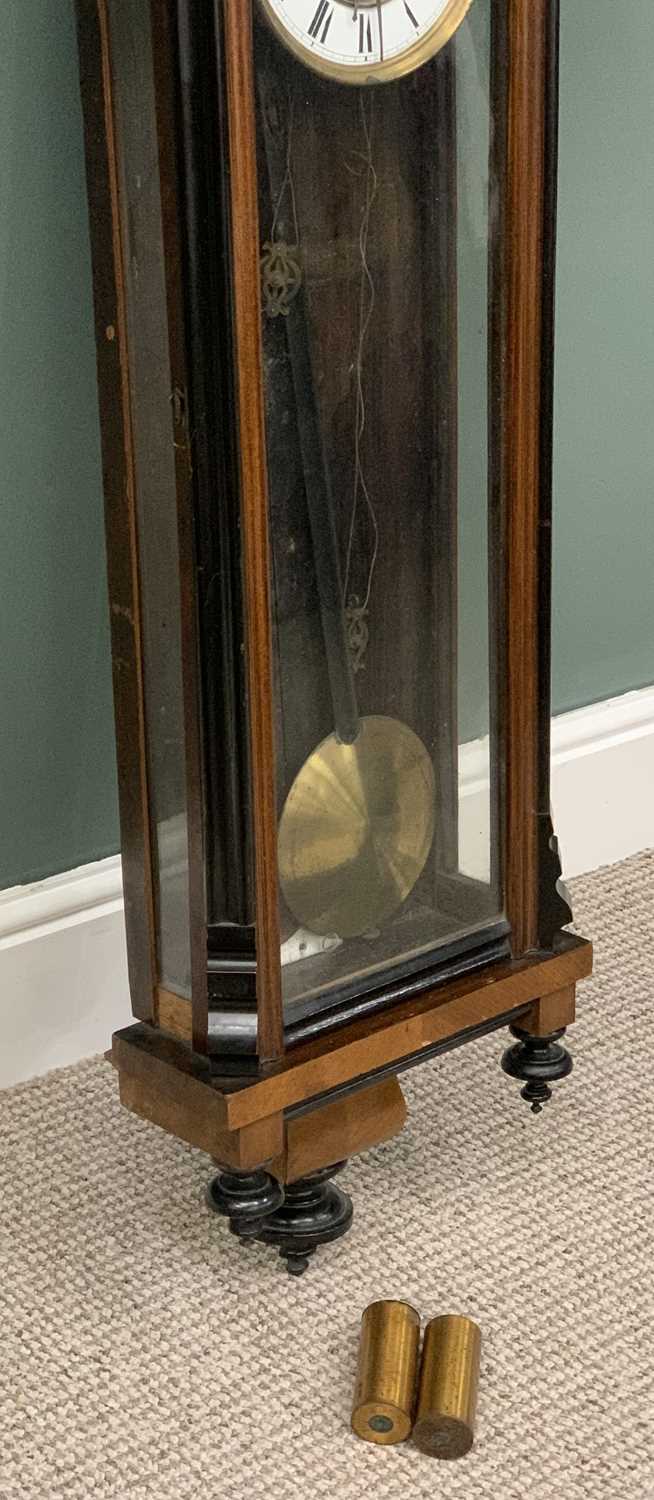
357 826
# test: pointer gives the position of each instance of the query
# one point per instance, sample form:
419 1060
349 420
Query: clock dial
365 41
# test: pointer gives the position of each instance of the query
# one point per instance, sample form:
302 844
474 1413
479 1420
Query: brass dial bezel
383 72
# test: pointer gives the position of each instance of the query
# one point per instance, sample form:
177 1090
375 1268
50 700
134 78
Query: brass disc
357 828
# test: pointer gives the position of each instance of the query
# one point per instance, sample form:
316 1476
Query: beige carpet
144 1352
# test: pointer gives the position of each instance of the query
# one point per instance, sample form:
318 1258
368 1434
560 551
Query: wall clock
324 331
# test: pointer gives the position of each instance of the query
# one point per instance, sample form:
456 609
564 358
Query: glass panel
203 154
375 231
155 481
473 692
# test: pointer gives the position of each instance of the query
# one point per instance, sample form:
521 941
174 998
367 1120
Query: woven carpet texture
146 1353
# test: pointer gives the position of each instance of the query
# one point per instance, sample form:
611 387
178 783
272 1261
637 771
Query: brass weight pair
393 1399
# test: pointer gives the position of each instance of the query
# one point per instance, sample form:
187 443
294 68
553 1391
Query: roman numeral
410 14
365 34
321 22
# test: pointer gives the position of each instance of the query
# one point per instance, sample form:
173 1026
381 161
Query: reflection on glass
473 688
155 485
374 214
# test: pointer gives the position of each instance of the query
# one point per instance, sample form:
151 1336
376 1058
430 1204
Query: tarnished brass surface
408 59
384 1395
357 828
447 1390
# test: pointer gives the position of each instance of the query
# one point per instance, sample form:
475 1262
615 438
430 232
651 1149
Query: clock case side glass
159 541
171 508
195 165
143 430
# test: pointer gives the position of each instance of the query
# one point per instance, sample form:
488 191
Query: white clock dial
365 41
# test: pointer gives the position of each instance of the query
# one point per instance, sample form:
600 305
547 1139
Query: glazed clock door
373 145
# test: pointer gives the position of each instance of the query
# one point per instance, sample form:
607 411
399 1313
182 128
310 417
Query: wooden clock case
169 94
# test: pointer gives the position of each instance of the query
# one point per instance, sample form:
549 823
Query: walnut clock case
323 245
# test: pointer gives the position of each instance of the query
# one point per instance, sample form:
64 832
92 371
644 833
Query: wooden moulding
163 52
327 1135
525 480
380 1040
112 352
341 1129
355 1051
174 1014
550 1012
190 1110
237 19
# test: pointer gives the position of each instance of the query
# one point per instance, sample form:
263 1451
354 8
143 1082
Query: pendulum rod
320 504
358 821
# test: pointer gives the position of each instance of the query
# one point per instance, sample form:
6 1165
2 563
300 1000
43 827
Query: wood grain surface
174 1014
551 1012
254 503
112 354
194 1121
379 1040
341 1129
171 195
520 288
354 1051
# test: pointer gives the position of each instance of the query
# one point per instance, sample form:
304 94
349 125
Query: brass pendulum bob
358 822
356 828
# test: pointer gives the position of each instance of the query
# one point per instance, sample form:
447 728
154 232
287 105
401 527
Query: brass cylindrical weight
384 1396
447 1389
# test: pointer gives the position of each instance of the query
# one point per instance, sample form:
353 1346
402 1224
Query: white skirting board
63 972
602 786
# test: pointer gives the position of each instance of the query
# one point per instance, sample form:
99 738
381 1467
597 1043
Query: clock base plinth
538 1061
296 1219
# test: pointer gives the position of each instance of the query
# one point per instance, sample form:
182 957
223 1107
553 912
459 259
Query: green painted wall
57 774
604 475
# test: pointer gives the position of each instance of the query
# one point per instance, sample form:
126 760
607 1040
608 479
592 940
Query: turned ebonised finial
296 1219
540 1060
247 1199
314 1212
